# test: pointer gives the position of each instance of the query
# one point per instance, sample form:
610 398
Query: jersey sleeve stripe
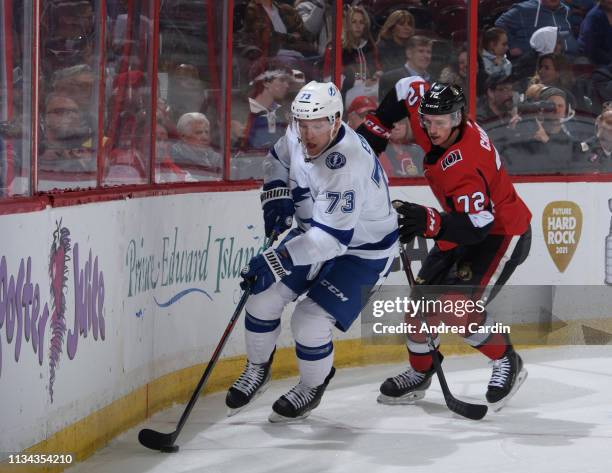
388 241
343 236
275 156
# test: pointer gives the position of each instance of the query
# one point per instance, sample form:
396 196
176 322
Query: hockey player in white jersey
325 176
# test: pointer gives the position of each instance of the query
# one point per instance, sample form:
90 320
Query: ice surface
559 421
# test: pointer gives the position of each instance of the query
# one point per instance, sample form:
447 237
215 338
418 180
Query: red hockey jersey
467 177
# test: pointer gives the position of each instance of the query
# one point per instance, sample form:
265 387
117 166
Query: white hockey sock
313 373
262 321
259 346
312 329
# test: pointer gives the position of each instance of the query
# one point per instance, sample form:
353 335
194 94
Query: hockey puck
169 448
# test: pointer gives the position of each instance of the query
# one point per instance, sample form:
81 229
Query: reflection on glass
127 141
15 97
68 139
557 87
278 48
189 123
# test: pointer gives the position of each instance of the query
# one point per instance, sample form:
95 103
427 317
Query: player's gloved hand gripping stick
165 442
465 409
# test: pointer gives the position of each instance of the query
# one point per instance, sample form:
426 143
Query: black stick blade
157 440
465 409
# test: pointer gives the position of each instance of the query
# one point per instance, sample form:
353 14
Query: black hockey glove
278 208
417 220
265 269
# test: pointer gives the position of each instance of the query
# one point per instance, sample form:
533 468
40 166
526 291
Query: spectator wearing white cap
545 40
524 18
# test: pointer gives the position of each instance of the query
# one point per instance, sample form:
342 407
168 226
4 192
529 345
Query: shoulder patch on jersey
451 159
335 160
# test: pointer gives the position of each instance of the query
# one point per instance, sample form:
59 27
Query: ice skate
406 387
299 402
253 382
508 375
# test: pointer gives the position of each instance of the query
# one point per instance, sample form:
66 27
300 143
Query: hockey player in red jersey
481 235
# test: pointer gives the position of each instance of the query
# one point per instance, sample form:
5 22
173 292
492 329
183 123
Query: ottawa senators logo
451 158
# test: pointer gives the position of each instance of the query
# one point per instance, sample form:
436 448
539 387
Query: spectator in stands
496 113
601 87
193 153
545 40
525 17
68 34
402 157
418 59
129 126
67 157
496 109
167 170
267 120
578 11
361 68
76 82
494 49
595 38
457 71
278 30
597 150
358 109
185 90
393 38
551 149
553 70
317 18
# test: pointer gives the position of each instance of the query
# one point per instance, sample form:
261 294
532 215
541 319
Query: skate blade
276 418
520 379
232 412
408 398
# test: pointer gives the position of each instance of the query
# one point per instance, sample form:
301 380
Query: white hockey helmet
318 100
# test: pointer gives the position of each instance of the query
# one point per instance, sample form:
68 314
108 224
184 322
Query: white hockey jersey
341 198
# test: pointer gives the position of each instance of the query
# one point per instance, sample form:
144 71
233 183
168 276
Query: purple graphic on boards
58 272
23 316
88 302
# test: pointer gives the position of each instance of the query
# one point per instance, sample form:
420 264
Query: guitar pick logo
562 226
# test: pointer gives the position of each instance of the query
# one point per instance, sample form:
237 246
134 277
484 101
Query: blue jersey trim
275 156
343 236
383 244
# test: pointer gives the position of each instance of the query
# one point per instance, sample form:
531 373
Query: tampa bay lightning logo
335 160
332 90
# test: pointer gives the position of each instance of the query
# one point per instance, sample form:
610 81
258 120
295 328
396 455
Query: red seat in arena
490 10
452 19
459 37
438 7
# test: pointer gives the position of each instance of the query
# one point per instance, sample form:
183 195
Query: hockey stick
165 442
465 409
